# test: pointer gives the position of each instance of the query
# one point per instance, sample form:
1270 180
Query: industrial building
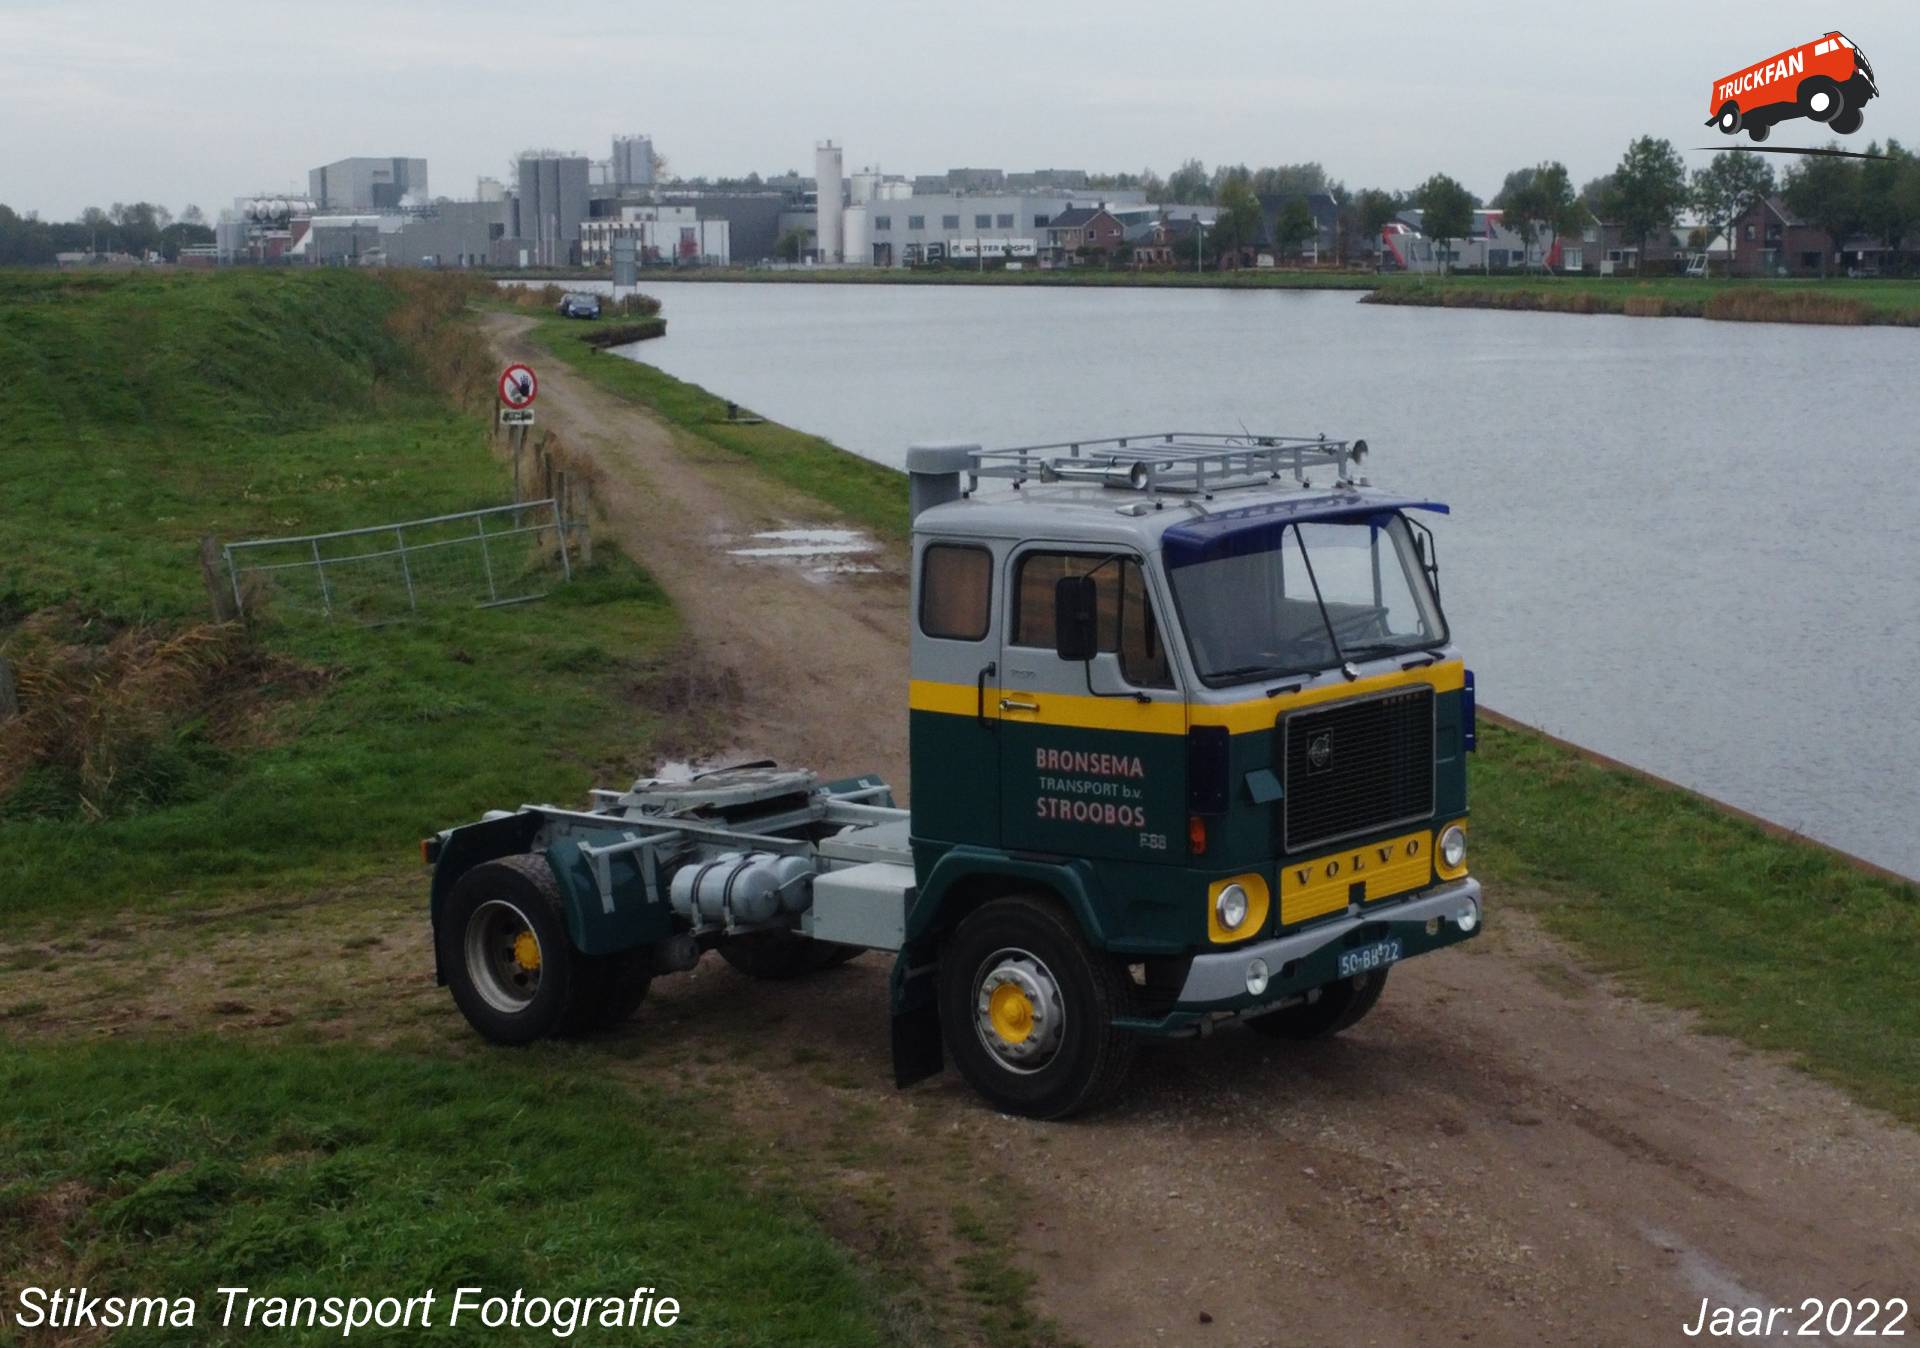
366 184
553 203
910 231
663 236
632 162
829 195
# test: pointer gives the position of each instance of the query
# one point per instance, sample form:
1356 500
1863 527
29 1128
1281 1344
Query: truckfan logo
1826 80
1320 751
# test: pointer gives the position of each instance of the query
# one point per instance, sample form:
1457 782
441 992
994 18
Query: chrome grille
1355 767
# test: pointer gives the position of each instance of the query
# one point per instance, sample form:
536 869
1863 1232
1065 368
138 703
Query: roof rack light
1173 461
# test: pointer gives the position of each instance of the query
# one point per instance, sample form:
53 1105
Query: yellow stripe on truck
1170 717
1325 884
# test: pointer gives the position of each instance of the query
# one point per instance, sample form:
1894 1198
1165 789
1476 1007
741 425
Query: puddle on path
822 552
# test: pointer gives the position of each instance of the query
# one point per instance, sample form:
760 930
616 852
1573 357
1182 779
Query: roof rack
1174 461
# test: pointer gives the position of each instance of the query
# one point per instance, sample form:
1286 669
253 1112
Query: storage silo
828 231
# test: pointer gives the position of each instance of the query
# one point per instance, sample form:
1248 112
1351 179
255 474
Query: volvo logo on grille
1320 751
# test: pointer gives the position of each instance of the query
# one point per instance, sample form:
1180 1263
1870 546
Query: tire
778 957
1728 119
1847 121
1821 99
1758 133
512 969
1027 1009
1339 1006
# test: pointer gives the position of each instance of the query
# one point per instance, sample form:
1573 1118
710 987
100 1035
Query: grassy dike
173 766
1843 302
1778 942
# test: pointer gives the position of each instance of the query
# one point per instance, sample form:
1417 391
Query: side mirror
1076 618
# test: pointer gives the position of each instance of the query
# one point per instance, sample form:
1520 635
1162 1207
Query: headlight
1453 847
1231 907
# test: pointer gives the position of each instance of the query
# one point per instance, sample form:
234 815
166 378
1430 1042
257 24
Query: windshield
1325 593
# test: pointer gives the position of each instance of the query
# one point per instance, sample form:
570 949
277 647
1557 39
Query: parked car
580 306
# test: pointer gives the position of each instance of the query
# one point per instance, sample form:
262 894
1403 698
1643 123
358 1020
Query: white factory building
663 234
907 230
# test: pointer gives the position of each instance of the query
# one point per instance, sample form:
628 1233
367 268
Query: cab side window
1125 619
956 592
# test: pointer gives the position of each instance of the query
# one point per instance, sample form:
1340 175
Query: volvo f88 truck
1188 739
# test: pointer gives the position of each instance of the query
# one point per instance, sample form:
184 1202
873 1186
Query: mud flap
917 1050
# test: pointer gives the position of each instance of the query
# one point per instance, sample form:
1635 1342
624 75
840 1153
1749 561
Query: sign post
519 386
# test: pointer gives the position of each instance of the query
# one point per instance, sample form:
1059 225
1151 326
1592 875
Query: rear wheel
512 969
1759 132
1729 119
1337 1007
1027 1009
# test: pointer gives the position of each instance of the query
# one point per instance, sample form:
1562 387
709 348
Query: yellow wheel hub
526 951
1011 1012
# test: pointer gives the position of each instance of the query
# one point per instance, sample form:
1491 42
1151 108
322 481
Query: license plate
1368 957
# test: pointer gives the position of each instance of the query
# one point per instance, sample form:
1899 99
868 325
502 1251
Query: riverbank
1685 902
1844 302
1838 301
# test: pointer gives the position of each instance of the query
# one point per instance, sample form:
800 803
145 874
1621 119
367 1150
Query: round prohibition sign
518 387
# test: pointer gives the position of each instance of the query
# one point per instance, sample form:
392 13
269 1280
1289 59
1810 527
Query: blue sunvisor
1235 533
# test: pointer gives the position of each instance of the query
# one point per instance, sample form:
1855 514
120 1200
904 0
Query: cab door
953 720
1092 753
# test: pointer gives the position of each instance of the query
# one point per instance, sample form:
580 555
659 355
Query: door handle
1015 704
980 690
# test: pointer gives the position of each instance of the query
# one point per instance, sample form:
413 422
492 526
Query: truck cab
1201 713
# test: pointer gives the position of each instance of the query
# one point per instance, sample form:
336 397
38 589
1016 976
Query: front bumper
1298 963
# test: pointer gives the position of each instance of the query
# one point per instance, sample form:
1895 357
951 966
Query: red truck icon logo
1827 80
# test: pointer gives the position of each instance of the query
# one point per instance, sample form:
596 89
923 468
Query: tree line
1644 195
139 228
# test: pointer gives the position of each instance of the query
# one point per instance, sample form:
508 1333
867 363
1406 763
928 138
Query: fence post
320 567
219 591
585 517
560 529
400 537
486 558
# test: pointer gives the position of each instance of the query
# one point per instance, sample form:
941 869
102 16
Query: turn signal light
1196 835
429 849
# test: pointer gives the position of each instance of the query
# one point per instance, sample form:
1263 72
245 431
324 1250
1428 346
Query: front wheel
1027 1009
1821 100
1338 1006
1759 132
1847 121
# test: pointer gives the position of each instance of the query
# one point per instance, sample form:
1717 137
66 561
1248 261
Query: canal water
1693 546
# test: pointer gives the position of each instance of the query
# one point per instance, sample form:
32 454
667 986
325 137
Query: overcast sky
187 102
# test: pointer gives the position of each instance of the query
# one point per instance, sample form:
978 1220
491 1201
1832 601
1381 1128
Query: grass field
161 767
184 1166
1778 942
157 410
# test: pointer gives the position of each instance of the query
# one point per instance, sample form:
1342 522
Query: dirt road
1507 1152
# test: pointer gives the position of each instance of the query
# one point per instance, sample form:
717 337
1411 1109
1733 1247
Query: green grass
1776 941
181 1167
153 410
1838 300
1781 943
865 492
